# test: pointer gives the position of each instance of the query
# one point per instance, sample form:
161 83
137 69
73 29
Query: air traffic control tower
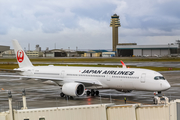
115 23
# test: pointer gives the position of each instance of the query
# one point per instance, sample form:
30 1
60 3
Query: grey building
55 53
8 54
146 50
4 48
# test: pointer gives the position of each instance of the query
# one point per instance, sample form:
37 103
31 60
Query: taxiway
41 95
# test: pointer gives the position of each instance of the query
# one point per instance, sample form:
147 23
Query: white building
34 54
108 54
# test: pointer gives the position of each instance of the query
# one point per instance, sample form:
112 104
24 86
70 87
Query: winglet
123 65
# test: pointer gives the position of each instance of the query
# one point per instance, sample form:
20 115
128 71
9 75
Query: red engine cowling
73 89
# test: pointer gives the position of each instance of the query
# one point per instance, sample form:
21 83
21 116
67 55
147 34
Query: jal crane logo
20 56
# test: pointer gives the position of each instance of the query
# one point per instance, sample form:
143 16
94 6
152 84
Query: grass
12 66
8 66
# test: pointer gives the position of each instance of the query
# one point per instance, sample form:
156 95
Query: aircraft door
108 77
62 73
143 77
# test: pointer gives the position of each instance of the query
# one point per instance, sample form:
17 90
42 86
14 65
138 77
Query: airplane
74 81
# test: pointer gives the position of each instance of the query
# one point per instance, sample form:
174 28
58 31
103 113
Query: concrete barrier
86 112
174 109
149 112
3 116
122 112
170 111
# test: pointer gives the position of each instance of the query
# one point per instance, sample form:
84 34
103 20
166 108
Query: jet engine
73 89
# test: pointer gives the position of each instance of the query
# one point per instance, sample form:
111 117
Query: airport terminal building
146 50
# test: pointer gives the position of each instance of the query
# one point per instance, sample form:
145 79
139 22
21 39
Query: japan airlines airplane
74 80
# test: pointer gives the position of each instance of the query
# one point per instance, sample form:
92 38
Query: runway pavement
40 95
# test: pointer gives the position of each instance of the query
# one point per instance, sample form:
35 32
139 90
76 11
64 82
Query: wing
87 83
9 70
33 77
124 66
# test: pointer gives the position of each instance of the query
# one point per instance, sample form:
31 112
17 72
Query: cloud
86 23
149 14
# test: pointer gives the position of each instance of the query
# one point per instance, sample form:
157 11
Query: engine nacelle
73 89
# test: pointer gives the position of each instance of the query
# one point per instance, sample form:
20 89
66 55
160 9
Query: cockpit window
159 78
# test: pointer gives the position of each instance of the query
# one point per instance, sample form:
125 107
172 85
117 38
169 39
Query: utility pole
24 99
10 106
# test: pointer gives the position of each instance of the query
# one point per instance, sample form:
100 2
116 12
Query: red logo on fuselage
20 56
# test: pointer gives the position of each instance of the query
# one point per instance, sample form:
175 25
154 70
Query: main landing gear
92 93
66 96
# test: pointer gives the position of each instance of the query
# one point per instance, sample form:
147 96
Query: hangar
4 48
55 53
146 50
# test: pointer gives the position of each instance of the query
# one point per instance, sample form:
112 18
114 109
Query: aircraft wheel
88 93
92 92
97 93
62 94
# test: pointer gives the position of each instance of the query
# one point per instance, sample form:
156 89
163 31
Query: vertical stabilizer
22 59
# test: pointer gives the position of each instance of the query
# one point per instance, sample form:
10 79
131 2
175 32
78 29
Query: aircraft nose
167 86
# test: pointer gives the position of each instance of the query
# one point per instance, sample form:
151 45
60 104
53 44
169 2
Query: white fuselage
109 78
74 80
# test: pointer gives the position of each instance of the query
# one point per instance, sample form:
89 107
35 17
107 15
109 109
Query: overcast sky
85 23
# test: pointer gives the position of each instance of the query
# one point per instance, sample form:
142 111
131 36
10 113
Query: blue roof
96 51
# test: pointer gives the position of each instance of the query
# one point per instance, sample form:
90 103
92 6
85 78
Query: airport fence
16 105
57 102
4 108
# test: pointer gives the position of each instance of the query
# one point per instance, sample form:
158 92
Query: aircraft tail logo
20 56
22 59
